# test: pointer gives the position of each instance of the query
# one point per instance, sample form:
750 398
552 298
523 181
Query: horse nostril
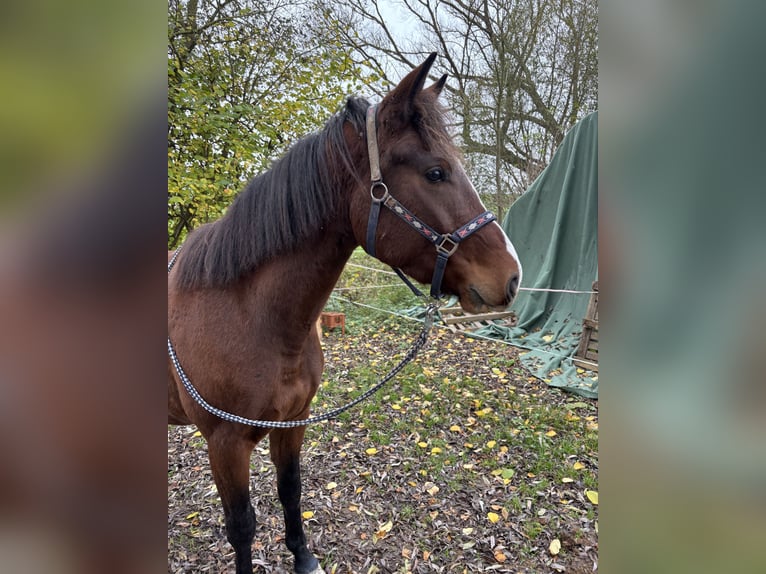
513 287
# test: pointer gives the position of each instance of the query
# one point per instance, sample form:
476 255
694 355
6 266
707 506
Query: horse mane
277 210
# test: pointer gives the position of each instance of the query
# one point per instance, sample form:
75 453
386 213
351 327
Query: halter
445 243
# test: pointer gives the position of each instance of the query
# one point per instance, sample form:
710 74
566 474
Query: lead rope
419 343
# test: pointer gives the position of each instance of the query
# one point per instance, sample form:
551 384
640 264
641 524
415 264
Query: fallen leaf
578 465
371 451
331 485
551 433
555 547
307 514
592 496
493 517
500 557
383 530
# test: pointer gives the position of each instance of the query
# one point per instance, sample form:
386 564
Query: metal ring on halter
385 191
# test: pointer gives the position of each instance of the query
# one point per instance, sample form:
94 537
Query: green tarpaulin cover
553 226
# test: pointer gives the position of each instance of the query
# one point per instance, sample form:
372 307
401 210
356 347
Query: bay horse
245 291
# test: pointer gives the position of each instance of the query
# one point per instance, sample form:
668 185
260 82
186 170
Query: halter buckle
446 246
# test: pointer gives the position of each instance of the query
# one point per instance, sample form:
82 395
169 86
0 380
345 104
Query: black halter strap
446 243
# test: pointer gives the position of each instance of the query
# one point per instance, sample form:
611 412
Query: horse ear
404 94
437 87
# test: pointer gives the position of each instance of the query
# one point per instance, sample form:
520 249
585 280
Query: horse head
417 178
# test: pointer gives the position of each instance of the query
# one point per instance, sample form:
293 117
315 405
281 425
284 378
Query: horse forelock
430 121
277 210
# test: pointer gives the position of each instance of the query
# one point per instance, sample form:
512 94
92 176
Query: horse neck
293 288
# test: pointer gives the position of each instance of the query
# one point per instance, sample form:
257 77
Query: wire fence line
441 326
539 289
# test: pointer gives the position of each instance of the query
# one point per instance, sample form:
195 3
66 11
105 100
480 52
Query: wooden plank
466 318
588 347
583 365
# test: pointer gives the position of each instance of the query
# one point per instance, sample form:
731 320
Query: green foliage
244 82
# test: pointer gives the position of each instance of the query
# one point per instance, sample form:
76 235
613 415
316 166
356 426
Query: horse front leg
285 447
230 464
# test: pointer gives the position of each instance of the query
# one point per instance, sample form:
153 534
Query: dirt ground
465 463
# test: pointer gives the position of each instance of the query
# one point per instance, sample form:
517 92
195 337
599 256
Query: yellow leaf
387 526
551 433
371 451
567 479
555 546
307 514
467 531
592 496
578 465
491 444
428 372
455 428
436 450
331 485
197 434
192 515
493 517
422 444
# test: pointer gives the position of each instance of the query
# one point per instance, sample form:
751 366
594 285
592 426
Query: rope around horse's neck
420 341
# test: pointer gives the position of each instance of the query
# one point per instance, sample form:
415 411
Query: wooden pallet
456 319
588 347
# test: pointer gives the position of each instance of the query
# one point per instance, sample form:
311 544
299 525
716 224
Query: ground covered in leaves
464 463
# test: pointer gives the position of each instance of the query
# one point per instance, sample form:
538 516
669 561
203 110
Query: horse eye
436 174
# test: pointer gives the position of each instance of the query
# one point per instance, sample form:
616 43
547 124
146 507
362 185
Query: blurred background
83 131
84 146
681 213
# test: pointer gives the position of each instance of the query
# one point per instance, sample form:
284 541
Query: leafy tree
245 79
523 72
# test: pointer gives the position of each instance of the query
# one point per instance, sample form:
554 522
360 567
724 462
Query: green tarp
553 226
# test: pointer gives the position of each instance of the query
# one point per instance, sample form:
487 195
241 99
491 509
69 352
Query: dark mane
277 209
